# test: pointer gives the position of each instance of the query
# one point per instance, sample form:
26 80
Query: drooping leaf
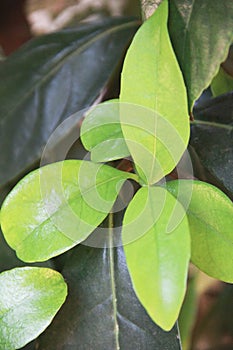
222 83
157 258
211 140
201 33
58 206
153 115
49 79
92 318
29 299
101 132
210 215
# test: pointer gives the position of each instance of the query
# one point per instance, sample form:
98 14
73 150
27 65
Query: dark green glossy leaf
29 299
92 318
153 86
101 132
212 139
58 206
201 33
210 215
157 257
49 79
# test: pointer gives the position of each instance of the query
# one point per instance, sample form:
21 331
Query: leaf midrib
112 279
76 51
72 199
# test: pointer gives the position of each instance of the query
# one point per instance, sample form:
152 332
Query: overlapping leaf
222 83
201 33
102 309
58 206
101 132
210 215
29 299
157 258
155 123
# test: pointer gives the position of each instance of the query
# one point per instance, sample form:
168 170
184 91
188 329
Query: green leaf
29 299
153 115
157 257
188 314
101 132
211 141
221 83
102 309
58 206
8 259
48 80
210 215
201 33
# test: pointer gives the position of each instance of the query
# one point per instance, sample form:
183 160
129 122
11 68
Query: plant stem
113 286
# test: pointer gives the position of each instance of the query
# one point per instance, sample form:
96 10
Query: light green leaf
29 299
154 115
101 132
157 258
210 215
58 206
221 83
201 33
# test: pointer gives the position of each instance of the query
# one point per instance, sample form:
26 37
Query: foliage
60 205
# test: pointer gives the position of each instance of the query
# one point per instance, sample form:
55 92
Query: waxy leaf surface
212 140
101 132
222 83
29 299
155 123
102 310
201 33
58 206
157 258
210 215
49 79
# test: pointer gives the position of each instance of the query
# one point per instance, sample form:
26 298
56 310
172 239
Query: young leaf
201 33
210 215
58 206
49 79
101 132
157 259
154 116
221 83
30 297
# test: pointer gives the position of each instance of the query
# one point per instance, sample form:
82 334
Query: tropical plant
125 231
